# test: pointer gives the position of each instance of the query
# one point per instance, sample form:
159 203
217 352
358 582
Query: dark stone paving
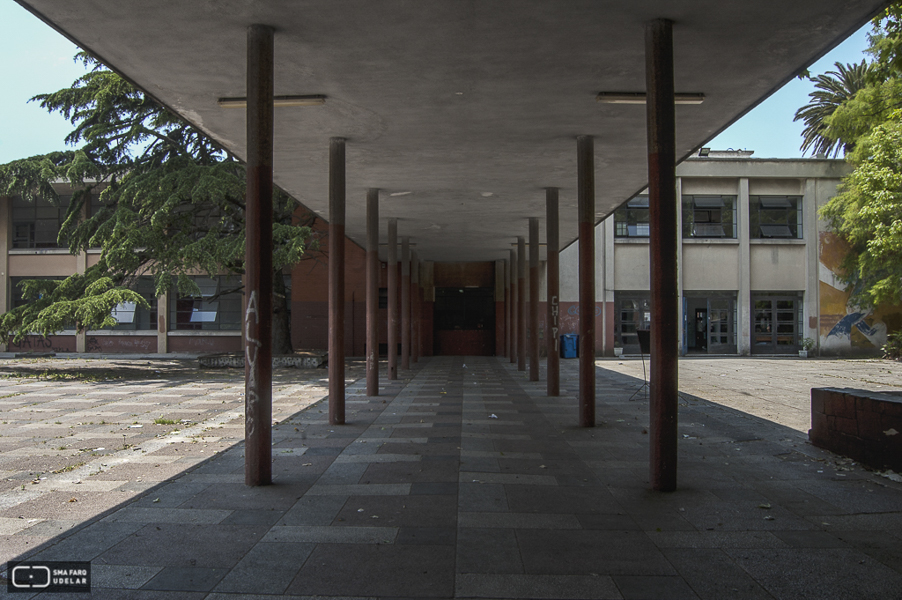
467 481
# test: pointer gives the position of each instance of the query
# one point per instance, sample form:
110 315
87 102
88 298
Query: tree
833 88
172 203
867 214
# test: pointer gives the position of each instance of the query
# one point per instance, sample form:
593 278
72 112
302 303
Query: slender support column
336 281
514 302
393 299
533 299
372 292
663 244
585 158
414 307
507 308
258 258
553 279
405 302
521 304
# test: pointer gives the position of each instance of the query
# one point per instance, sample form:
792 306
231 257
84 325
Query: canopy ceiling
469 108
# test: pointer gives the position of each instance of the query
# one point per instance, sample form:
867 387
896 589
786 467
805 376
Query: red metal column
405 302
258 259
515 300
553 278
585 159
414 307
521 304
336 281
507 308
533 299
392 299
663 382
372 292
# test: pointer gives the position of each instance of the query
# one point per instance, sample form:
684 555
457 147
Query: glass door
776 323
721 326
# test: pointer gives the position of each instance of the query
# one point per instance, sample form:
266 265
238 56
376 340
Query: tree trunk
281 319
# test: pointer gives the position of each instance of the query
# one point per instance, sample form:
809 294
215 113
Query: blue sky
36 59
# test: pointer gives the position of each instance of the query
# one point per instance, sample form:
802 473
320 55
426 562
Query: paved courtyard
462 479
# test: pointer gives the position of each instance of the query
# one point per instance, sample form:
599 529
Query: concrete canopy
467 108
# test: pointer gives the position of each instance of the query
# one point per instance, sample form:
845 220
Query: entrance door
721 333
464 322
701 329
776 324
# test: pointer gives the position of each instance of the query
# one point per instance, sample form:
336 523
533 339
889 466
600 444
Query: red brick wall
137 344
52 343
183 343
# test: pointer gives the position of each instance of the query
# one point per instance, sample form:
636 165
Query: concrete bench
859 424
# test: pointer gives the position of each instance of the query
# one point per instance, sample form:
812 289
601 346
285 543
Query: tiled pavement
468 481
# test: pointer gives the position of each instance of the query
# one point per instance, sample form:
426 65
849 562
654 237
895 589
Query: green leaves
867 213
832 89
155 195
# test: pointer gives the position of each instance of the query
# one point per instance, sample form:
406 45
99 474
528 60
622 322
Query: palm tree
831 90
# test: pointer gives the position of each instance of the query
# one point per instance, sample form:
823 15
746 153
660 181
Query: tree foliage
171 205
832 90
867 212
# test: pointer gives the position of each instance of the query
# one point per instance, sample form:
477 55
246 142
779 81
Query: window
633 314
133 317
631 221
16 290
217 308
775 217
37 224
709 217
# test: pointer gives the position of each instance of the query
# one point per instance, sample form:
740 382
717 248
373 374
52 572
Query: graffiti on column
251 351
555 311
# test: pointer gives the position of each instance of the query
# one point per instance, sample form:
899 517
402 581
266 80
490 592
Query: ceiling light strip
639 98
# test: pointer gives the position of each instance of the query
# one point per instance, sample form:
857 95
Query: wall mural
846 327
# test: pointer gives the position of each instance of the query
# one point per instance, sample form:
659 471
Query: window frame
773 226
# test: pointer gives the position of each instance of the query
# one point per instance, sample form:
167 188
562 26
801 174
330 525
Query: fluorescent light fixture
639 98
396 194
277 101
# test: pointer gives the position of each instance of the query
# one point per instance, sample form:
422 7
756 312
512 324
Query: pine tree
171 205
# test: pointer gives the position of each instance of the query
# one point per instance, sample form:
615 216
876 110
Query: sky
35 60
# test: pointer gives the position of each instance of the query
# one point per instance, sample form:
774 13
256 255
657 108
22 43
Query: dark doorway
701 329
464 321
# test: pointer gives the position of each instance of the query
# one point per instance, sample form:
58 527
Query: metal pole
521 304
392 299
585 158
514 302
258 259
405 302
372 292
414 307
663 383
507 308
533 299
553 278
336 281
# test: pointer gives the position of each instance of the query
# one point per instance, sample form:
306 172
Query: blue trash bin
570 345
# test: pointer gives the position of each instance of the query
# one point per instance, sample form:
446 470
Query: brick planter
859 424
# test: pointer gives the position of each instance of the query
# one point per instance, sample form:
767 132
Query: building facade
757 268
757 276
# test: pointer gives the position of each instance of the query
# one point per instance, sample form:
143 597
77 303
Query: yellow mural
845 327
